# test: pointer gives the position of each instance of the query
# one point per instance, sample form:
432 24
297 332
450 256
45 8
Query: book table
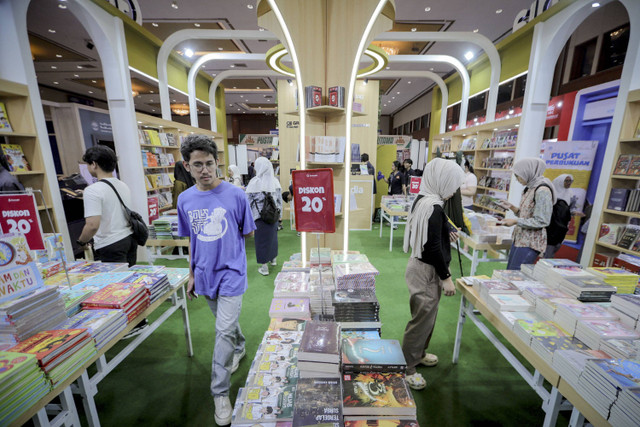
390 215
490 252
155 247
552 401
81 383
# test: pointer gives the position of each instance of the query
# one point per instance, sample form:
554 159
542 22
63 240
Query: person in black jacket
561 216
408 173
428 235
396 178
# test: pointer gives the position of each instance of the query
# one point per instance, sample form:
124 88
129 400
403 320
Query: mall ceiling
66 58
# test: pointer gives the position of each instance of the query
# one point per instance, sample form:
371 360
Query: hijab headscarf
236 178
264 179
531 171
561 192
440 180
180 174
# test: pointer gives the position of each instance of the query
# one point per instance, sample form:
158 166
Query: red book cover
333 96
136 311
317 96
601 260
47 345
58 358
133 304
617 262
115 295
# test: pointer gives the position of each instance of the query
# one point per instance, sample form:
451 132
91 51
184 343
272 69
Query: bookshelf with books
620 219
20 145
160 148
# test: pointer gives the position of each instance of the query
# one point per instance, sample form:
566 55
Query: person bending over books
428 234
216 216
534 213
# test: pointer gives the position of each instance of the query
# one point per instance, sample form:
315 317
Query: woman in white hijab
561 217
534 213
427 236
261 186
235 177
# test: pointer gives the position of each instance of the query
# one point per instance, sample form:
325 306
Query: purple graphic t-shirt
216 221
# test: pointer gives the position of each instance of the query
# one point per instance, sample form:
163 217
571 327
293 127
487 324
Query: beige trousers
425 290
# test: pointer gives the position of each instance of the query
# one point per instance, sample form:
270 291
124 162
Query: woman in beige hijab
427 236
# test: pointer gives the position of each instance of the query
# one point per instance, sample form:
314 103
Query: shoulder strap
115 191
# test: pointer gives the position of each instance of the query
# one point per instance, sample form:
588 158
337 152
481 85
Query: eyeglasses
199 166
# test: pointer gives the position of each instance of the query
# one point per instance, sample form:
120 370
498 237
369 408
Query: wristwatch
81 243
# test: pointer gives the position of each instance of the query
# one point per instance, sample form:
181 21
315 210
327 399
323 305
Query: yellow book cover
15 157
5 126
153 136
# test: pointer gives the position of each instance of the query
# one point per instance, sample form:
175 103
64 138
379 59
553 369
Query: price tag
415 184
19 214
154 211
313 200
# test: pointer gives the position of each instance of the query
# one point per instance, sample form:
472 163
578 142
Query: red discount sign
415 185
154 211
313 200
19 214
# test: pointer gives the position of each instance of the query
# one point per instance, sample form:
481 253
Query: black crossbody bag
140 230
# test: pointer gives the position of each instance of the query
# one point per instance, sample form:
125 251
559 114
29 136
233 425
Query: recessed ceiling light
468 56
517 126
235 87
196 24
94 81
244 112
56 83
90 91
232 66
230 105
427 9
62 6
499 11
260 29
52 31
79 67
238 109
53 67
214 74
174 5
397 93
414 29
153 109
257 87
174 100
241 96
495 129
595 4
58 55
431 69
76 75
388 68
139 121
150 91
393 97
155 24
409 82
475 31
188 53
249 6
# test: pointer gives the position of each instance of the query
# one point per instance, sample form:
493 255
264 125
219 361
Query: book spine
372 367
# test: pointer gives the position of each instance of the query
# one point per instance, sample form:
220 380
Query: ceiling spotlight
52 31
90 91
260 29
290 82
232 66
238 109
397 93
499 11
249 6
427 9
94 81
188 53
595 4
387 68
475 31
58 55
220 48
153 109
409 82
62 6
174 4
79 67
76 75
230 105
414 29
53 67
235 87
241 96
174 100
468 56
517 125
257 87
150 91
155 24
431 69
196 25
495 129
393 97
56 83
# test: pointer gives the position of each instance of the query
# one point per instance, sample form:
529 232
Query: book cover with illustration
47 345
14 363
115 295
14 250
5 125
376 393
176 275
318 401
98 281
320 342
99 267
545 328
286 324
289 307
362 355
620 372
624 160
15 157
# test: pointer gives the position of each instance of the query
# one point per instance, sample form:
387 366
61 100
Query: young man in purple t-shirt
216 216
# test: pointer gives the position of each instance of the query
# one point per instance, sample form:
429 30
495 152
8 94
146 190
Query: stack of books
296 308
603 380
23 384
510 275
291 284
318 401
626 409
176 275
527 269
624 281
264 404
392 397
511 317
355 276
321 256
284 324
60 279
99 267
103 325
149 269
27 314
372 355
348 258
546 307
157 284
551 271
592 332
587 289
621 349
356 305
545 346
627 307
570 363
533 294
508 302
546 328
133 298
73 298
162 229
320 290
294 266
568 315
524 284
319 353
98 281
486 287
60 352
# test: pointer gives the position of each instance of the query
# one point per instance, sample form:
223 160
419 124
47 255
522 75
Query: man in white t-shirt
104 215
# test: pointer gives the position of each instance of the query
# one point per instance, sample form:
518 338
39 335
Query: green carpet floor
159 385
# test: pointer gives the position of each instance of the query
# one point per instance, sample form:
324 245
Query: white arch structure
428 75
190 34
193 72
458 36
464 76
224 75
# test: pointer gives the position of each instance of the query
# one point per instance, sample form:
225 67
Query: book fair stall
351 105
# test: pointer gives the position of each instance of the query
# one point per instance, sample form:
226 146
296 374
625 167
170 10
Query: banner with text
313 200
575 158
19 214
415 184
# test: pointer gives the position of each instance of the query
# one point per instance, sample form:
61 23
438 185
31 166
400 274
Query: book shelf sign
415 184
19 214
313 200
154 213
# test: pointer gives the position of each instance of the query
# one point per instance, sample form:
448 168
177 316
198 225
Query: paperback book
376 355
376 393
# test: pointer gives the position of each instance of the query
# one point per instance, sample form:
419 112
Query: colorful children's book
100 267
47 345
318 401
5 125
376 393
98 281
623 373
290 307
320 342
115 295
15 157
286 324
363 355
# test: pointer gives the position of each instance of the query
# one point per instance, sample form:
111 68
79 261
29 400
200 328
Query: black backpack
559 223
270 213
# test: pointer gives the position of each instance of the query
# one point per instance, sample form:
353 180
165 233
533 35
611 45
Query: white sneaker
223 410
273 262
237 357
264 270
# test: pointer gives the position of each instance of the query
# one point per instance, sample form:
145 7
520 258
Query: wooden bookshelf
628 143
15 98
